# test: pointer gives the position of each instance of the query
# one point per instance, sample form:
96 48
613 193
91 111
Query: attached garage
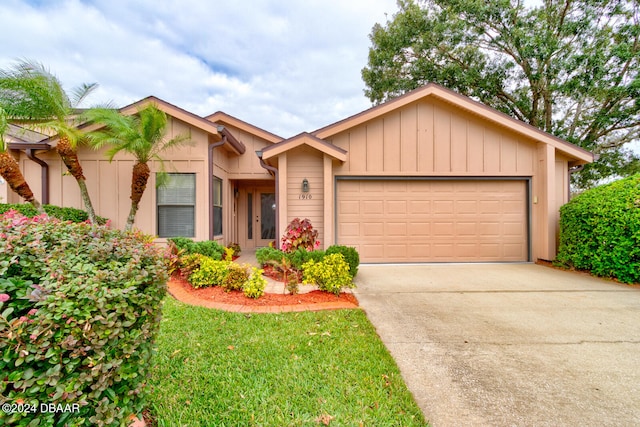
430 176
428 220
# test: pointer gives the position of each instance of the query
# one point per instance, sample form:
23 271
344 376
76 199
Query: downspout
211 171
275 174
44 174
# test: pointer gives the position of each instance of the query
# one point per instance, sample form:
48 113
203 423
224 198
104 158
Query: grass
290 369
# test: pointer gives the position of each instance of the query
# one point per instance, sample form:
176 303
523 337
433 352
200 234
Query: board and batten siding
305 162
109 183
430 138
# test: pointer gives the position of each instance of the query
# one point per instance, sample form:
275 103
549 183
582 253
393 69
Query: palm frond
81 92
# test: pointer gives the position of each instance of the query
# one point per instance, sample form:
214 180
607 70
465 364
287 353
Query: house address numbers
304 196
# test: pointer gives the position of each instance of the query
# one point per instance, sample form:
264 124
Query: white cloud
286 66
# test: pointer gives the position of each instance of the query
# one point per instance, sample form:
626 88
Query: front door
258 221
265 218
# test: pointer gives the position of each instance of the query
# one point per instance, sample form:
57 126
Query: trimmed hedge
206 247
80 306
65 214
600 231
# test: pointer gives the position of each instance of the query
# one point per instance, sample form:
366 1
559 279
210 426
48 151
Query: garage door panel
423 221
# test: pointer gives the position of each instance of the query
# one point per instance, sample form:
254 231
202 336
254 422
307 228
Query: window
177 206
217 206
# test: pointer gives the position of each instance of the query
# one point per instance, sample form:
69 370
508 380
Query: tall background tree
568 67
142 135
35 97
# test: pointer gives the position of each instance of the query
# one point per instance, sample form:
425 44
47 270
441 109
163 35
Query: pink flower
32 311
4 297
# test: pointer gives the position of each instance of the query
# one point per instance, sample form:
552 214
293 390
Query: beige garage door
433 220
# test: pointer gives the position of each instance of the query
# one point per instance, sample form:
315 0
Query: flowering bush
80 307
300 234
331 274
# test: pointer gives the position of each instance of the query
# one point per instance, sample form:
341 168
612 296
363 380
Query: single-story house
431 176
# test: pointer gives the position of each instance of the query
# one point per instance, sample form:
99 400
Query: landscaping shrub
301 256
208 248
265 255
65 214
236 248
600 231
300 234
211 272
331 274
190 263
80 307
350 256
255 286
237 275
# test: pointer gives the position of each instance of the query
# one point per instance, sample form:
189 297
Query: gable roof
217 132
433 90
305 138
219 116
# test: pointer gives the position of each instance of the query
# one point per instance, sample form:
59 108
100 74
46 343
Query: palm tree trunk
70 159
139 179
10 171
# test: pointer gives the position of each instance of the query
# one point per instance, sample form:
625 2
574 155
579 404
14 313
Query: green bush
85 333
264 255
237 275
208 248
255 286
600 231
210 273
65 214
350 255
331 274
301 256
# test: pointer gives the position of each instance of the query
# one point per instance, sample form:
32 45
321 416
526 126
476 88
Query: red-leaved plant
300 234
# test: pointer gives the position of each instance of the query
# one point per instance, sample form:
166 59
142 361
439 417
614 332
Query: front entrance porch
256 214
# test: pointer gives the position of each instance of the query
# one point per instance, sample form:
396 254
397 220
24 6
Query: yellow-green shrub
237 275
210 273
331 274
255 286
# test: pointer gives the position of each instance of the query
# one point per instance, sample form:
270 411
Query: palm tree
10 170
142 135
34 96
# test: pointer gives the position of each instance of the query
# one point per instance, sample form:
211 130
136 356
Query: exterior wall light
305 185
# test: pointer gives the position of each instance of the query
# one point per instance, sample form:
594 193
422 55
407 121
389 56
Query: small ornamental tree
300 234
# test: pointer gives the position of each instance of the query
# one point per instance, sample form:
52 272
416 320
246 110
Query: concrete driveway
509 344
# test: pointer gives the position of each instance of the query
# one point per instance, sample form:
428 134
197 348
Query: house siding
305 162
431 138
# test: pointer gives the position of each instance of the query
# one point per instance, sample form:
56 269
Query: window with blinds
176 206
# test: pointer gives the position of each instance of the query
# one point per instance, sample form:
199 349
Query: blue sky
287 66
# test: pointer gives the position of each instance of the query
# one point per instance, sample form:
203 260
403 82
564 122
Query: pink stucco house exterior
431 176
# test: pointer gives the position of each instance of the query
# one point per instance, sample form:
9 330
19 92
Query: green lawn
215 368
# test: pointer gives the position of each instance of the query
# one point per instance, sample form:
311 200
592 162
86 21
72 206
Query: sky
286 66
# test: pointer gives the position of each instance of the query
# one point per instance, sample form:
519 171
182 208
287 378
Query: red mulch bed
216 293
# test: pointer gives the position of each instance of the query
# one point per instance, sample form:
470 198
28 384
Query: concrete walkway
509 344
